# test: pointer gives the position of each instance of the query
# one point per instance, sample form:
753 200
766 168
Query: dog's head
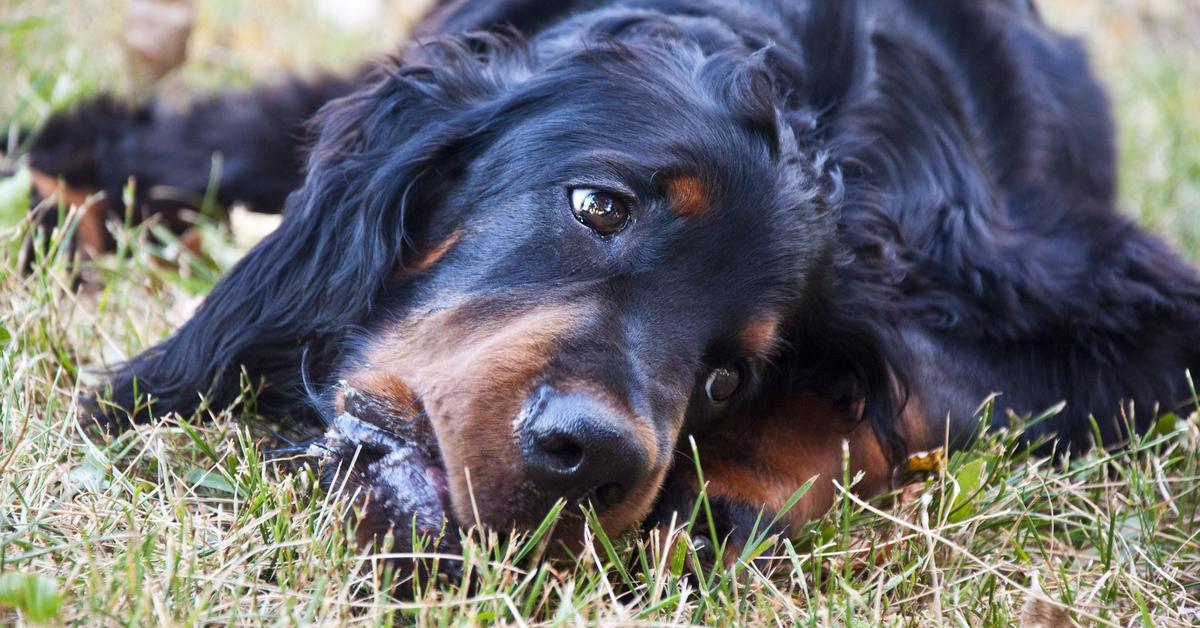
604 248
558 254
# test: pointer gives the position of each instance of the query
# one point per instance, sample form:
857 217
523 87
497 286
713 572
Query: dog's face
617 261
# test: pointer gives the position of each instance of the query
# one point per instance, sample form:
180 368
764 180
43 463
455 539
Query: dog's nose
577 446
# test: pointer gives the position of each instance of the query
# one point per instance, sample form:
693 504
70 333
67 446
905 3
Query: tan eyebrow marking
426 260
688 195
761 335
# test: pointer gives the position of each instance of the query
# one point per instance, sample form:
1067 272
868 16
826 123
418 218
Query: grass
184 522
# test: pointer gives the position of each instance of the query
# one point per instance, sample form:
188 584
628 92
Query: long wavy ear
384 157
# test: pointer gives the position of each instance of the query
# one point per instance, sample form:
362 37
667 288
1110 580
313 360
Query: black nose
577 446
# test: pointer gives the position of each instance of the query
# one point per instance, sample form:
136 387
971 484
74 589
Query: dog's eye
599 211
722 382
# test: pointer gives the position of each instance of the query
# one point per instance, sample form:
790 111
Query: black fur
258 136
952 179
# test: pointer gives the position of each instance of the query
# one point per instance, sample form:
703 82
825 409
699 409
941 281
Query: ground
183 522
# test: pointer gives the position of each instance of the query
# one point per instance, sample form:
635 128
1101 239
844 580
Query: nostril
609 495
579 447
565 454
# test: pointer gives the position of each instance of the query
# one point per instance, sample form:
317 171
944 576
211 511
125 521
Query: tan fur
47 187
91 234
760 336
473 375
428 258
688 196
763 457
399 400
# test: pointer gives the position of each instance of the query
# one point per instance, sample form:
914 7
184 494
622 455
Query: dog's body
755 222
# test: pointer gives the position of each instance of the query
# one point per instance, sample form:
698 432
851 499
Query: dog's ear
837 54
384 159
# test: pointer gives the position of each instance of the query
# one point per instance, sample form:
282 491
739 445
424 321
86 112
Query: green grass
183 522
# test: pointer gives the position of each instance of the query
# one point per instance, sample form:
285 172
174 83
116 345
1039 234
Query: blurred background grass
55 52
1148 54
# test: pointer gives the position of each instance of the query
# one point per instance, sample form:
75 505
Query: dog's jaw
392 463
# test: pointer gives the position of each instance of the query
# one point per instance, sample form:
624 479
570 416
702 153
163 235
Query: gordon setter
531 254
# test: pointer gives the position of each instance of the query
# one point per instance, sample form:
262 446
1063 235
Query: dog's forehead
710 196
700 161
656 102
706 211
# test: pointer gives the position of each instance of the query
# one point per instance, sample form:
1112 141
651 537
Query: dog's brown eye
722 383
603 213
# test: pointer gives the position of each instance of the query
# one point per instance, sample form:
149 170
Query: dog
531 256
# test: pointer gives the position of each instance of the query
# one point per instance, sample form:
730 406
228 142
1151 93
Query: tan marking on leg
92 237
761 457
47 187
786 447
760 460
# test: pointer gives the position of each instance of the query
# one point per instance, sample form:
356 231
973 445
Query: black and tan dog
548 241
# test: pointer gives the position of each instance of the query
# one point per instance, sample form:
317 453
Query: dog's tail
243 147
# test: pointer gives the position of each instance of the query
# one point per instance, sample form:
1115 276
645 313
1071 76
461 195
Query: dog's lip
409 424
399 452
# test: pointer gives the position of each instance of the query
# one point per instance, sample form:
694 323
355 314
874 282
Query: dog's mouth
391 458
